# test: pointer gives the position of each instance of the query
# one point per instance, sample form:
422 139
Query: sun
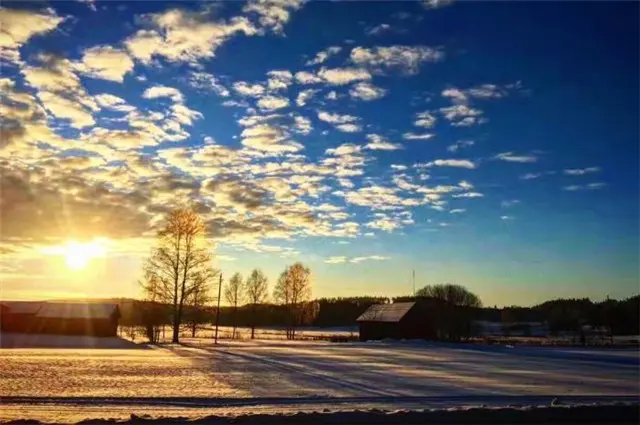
79 254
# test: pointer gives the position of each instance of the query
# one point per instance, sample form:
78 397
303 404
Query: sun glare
77 255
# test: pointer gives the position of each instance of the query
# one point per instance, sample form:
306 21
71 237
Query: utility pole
215 341
414 282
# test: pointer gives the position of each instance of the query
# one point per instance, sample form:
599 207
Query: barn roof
22 307
77 310
385 312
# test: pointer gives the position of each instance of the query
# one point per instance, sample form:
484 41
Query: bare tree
282 295
293 290
234 295
179 265
457 295
256 291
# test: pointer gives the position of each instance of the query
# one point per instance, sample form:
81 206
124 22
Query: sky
488 144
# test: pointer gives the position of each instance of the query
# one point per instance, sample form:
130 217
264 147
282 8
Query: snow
237 377
19 340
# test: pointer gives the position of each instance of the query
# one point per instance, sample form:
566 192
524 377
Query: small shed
403 320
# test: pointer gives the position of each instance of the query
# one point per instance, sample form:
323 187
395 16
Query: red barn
61 318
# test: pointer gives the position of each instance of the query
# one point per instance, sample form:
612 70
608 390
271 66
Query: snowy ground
279 376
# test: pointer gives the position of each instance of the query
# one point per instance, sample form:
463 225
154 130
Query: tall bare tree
234 294
257 291
293 290
180 264
282 295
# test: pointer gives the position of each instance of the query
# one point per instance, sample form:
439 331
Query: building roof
385 312
22 307
77 310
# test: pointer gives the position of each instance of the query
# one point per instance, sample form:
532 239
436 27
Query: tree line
178 280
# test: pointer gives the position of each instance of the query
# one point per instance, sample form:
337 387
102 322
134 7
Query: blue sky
490 144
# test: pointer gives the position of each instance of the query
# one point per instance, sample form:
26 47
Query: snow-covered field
279 376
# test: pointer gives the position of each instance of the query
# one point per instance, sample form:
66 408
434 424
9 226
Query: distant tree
457 295
282 295
179 265
293 290
234 294
256 289
198 311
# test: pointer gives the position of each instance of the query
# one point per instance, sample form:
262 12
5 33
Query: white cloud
377 142
184 115
304 96
323 55
424 120
336 260
465 185
348 128
357 260
462 115
206 81
267 138
398 167
107 100
335 118
482 91
279 79
468 195
60 90
344 149
487 91
63 107
302 124
460 145
581 171
590 186
366 91
509 203
273 13
456 95
531 176
436 4
180 35
163 91
593 186
19 25
414 136
379 29
271 103
407 59
343 76
459 163
332 95
457 211
305 77
346 183
506 218
245 89
106 62
510 157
